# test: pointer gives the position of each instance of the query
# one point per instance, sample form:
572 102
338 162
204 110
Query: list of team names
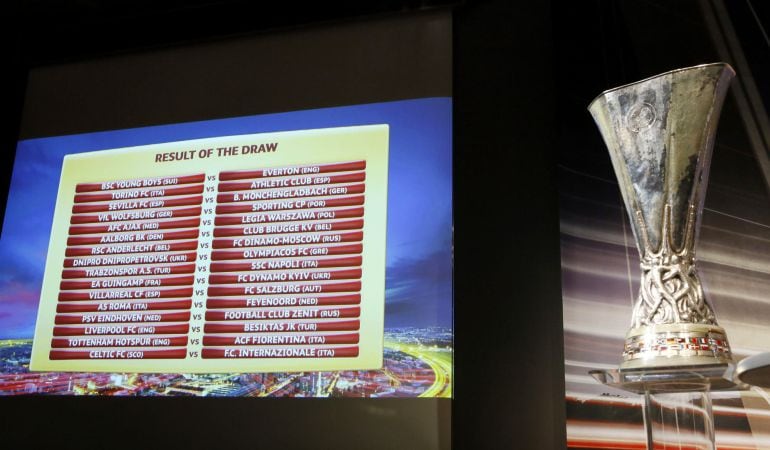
129 266
258 263
286 262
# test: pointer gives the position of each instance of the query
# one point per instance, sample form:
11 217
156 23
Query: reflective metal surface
660 134
754 370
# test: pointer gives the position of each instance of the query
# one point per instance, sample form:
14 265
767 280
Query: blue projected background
418 304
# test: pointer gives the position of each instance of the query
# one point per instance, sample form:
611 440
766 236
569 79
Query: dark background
604 44
621 43
523 74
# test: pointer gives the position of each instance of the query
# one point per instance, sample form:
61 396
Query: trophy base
675 345
683 378
676 401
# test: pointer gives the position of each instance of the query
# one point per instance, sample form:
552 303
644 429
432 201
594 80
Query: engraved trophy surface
660 135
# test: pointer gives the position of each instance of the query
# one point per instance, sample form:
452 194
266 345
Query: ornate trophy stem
670 289
660 134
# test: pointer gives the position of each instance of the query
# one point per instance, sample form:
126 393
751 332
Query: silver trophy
660 134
